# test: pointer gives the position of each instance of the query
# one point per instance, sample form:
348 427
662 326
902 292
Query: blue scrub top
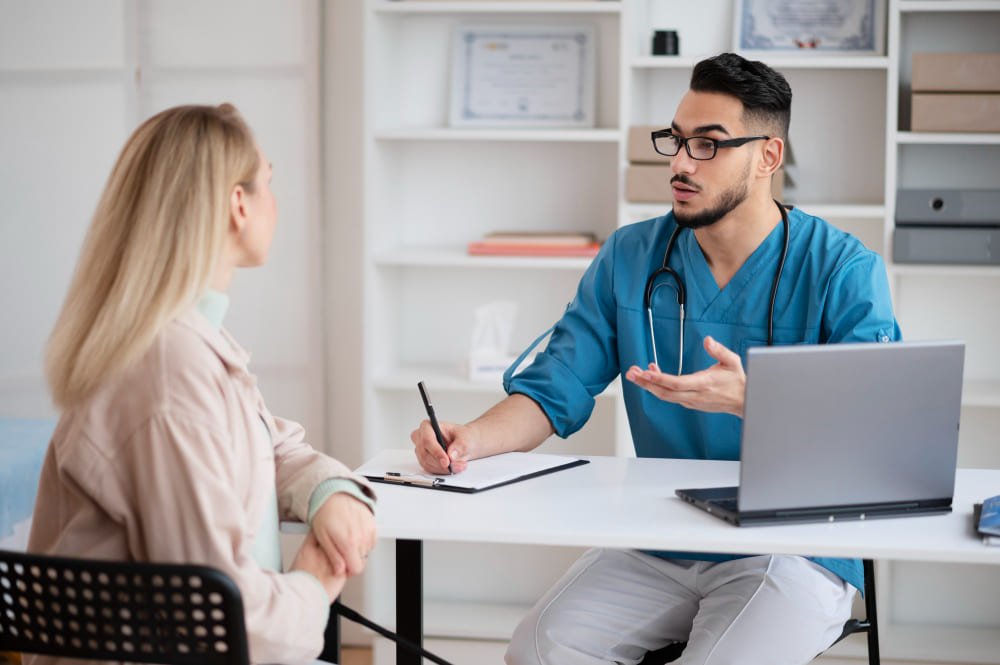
832 289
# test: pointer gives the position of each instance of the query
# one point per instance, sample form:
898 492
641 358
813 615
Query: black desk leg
874 658
409 597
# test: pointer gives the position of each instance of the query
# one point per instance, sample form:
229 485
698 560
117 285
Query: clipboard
400 467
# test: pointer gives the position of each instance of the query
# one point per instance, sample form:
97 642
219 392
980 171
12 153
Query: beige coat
161 465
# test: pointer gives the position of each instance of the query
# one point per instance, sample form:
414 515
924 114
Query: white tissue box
488 366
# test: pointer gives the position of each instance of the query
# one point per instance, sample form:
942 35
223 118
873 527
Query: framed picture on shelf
522 76
803 27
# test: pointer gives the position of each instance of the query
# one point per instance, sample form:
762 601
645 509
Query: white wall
75 79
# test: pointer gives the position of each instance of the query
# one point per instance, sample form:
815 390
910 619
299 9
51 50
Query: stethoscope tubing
665 269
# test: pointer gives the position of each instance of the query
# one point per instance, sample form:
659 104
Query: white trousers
613 606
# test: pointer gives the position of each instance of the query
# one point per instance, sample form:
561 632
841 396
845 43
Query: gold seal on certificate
842 27
522 76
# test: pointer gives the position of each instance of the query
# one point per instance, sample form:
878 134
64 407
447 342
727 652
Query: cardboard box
650 183
640 145
956 72
955 112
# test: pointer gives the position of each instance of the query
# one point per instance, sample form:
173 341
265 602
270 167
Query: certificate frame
523 76
810 27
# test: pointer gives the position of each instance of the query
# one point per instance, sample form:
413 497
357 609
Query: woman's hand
344 527
311 559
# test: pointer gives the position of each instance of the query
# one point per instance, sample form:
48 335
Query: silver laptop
845 431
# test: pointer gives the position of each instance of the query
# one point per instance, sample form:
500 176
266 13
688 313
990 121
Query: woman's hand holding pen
461 441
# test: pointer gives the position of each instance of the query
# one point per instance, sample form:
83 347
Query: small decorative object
522 76
844 27
665 42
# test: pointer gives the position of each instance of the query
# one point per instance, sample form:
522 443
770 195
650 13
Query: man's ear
773 154
237 210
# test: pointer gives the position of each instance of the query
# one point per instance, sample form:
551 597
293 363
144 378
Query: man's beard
730 199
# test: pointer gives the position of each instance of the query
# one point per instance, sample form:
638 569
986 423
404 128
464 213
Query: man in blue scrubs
728 138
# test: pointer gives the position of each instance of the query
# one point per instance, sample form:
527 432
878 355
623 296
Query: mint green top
266 549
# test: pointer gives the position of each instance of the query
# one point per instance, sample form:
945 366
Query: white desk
630 503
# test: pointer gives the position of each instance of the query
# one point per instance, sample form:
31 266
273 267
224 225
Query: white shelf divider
950 6
981 394
457 257
779 62
451 379
937 270
948 138
457 6
600 135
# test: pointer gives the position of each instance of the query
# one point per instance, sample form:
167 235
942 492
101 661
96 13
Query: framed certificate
848 27
522 76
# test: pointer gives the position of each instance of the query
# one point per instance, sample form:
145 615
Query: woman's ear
237 210
773 154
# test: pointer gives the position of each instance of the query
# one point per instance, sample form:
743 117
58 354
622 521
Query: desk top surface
630 503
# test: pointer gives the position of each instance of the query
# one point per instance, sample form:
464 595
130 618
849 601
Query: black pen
434 421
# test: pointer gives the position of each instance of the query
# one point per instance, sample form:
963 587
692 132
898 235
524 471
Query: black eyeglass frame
716 143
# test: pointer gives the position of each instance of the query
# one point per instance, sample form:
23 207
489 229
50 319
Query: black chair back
177 614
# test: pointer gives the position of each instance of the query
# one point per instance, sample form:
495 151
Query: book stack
536 243
956 92
986 516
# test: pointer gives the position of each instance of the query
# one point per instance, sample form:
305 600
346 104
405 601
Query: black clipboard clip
402 479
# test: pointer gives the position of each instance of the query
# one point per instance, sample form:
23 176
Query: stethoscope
665 269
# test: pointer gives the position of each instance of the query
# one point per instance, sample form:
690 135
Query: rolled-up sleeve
581 358
859 303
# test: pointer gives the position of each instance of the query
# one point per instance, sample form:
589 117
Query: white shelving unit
430 188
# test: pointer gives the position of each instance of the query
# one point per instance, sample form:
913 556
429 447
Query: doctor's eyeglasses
698 147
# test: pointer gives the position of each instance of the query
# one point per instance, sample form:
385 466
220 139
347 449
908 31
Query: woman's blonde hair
153 243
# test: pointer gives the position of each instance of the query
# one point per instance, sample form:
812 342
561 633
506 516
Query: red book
525 249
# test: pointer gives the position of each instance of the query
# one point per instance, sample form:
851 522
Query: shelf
448 7
981 394
824 210
457 257
842 211
527 135
949 138
477 621
778 61
949 6
937 270
449 379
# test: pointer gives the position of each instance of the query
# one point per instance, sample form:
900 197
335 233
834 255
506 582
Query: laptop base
722 502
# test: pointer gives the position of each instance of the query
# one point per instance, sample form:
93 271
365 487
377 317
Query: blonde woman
165 450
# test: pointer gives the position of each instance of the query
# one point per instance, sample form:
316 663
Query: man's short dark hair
765 94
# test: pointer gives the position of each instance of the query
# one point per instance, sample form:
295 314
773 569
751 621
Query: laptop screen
849 424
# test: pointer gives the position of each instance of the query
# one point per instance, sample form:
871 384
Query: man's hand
311 559
345 530
462 444
718 389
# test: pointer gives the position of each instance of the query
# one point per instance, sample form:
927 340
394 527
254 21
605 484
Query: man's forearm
515 424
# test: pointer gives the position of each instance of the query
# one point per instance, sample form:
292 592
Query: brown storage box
650 183
955 112
956 72
640 146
